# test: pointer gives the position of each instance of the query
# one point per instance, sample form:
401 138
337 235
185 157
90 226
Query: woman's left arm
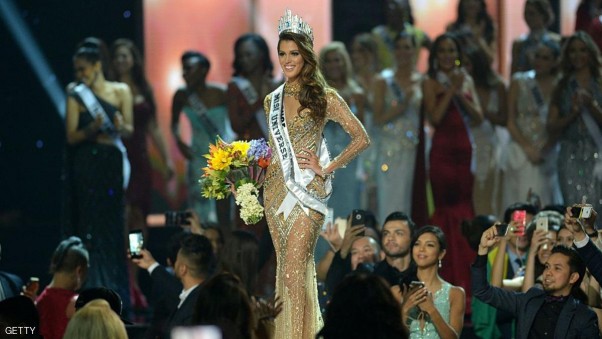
126 126
338 111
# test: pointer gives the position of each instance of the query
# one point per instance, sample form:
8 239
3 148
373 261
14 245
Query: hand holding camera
579 219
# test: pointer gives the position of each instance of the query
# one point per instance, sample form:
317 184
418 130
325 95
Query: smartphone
520 217
581 212
414 285
542 224
33 285
358 218
328 218
502 229
136 240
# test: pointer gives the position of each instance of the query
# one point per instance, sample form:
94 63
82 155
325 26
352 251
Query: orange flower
263 162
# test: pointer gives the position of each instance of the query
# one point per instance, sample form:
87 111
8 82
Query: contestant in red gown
451 105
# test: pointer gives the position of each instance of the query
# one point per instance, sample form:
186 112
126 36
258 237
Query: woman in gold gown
297 184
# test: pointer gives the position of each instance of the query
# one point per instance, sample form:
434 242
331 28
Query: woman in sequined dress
297 182
335 65
532 153
575 116
435 310
452 106
364 58
397 100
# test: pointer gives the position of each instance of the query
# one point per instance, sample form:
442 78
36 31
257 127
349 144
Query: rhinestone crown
290 23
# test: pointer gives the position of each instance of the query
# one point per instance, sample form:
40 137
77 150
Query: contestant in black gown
96 174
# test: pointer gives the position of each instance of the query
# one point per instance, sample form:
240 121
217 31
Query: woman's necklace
292 90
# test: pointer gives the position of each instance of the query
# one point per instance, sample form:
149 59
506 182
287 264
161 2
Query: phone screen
520 217
136 243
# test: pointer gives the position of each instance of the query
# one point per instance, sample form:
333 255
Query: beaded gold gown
295 237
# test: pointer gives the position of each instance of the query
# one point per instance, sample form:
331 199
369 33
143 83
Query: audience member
436 308
194 264
223 301
19 318
542 241
504 262
10 284
397 234
362 307
96 320
472 229
540 312
110 296
240 257
69 267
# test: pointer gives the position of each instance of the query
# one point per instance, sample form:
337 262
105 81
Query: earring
440 263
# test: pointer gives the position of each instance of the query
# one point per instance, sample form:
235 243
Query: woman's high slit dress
295 237
452 185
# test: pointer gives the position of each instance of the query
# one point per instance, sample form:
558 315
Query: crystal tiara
290 23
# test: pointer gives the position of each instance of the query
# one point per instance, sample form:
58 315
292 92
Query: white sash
295 178
444 80
96 109
250 94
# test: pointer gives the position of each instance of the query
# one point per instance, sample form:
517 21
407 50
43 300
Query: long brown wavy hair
567 68
313 85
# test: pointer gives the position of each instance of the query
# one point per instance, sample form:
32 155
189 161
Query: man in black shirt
549 313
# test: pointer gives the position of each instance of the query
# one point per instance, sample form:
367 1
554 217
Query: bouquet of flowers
237 168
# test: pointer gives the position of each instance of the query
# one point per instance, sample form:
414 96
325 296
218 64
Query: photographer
540 312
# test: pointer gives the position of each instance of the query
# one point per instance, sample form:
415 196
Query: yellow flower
220 159
241 147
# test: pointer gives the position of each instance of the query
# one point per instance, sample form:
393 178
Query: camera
177 218
581 212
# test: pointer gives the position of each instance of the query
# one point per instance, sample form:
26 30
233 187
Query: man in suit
194 263
552 311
